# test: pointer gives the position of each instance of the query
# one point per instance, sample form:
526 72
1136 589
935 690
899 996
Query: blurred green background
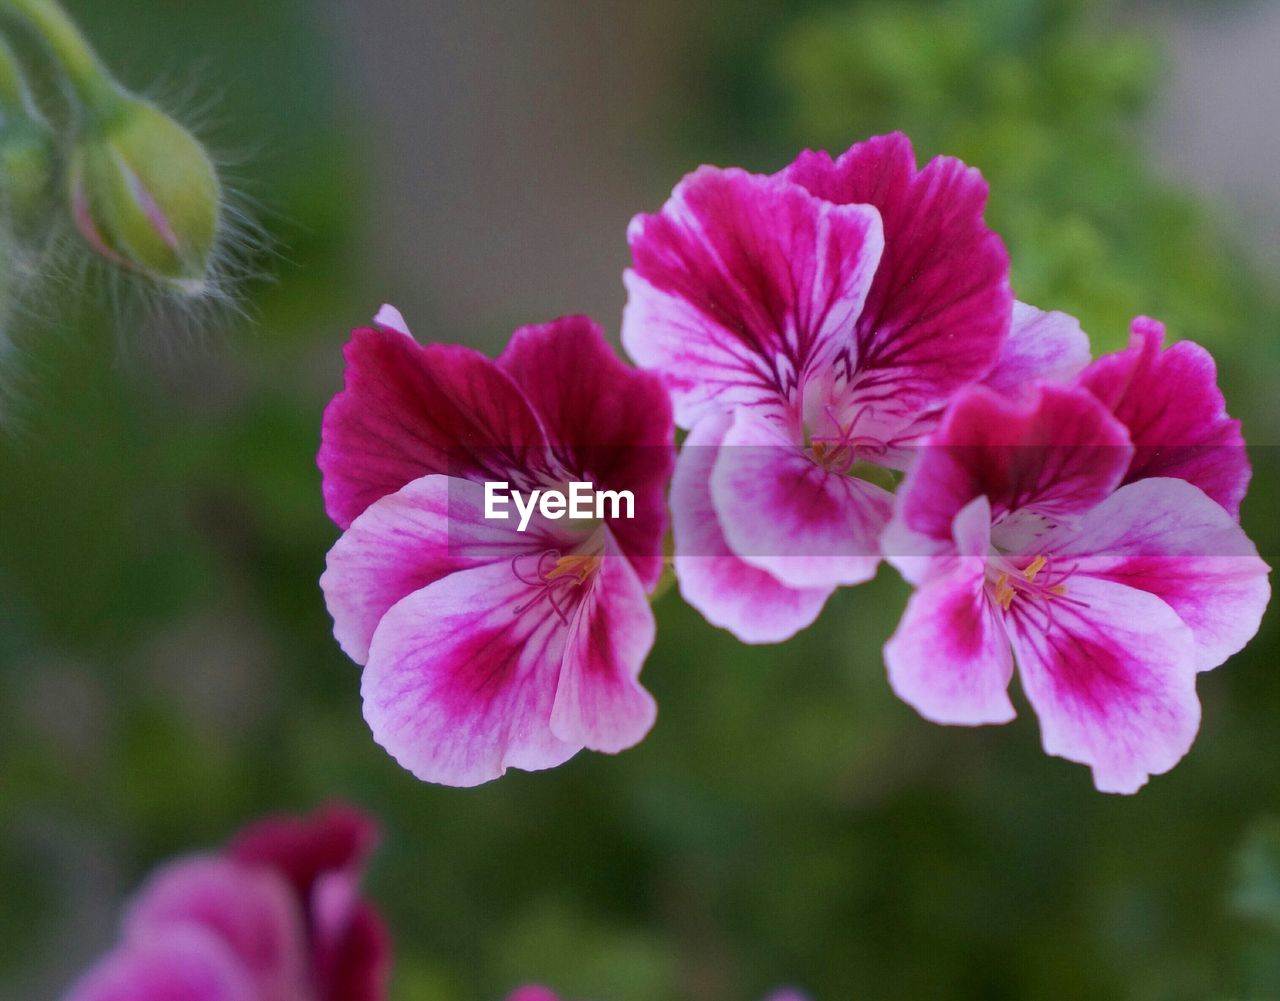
166 666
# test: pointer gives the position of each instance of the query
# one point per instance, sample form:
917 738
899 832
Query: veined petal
949 658
1167 537
939 308
599 702
178 963
1175 412
1042 347
608 423
1054 453
781 512
462 676
250 909
731 594
742 285
1110 671
426 530
409 410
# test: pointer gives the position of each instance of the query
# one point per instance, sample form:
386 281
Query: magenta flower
277 916
809 325
486 646
1026 523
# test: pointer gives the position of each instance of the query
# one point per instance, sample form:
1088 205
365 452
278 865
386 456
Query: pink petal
1110 671
409 410
599 702
1176 416
949 658
390 318
1054 452
609 424
742 284
1042 347
731 594
177 963
783 513
249 908
1167 537
462 676
921 558
938 311
428 529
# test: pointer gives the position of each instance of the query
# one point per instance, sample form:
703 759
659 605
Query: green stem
13 87
89 78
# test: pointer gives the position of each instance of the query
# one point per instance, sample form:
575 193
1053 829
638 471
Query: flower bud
145 194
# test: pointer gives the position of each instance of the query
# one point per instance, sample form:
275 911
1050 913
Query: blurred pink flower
485 645
276 916
808 324
1025 522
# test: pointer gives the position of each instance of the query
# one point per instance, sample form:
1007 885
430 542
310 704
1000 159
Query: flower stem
89 79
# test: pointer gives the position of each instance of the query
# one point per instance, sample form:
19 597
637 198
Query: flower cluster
276 916
857 382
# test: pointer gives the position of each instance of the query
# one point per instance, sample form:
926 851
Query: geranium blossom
485 647
809 325
277 916
1024 523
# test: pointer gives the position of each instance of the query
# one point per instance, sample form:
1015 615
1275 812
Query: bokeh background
166 666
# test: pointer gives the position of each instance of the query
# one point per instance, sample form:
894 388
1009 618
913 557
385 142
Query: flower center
556 577
839 449
1037 581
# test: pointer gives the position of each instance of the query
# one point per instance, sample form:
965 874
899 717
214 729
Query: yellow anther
1004 592
1058 589
1034 567
577 566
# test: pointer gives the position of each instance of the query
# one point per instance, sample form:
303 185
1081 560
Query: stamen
1034 567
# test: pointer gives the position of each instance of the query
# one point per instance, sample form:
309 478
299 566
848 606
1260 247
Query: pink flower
277 916
1026 522
808 325
484 646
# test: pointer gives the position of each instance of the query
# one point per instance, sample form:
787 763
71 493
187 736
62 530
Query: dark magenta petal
939 308
608 423
1056 452
1175 412
409 410
742 286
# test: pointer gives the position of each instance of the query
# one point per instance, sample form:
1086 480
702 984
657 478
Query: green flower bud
145 194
